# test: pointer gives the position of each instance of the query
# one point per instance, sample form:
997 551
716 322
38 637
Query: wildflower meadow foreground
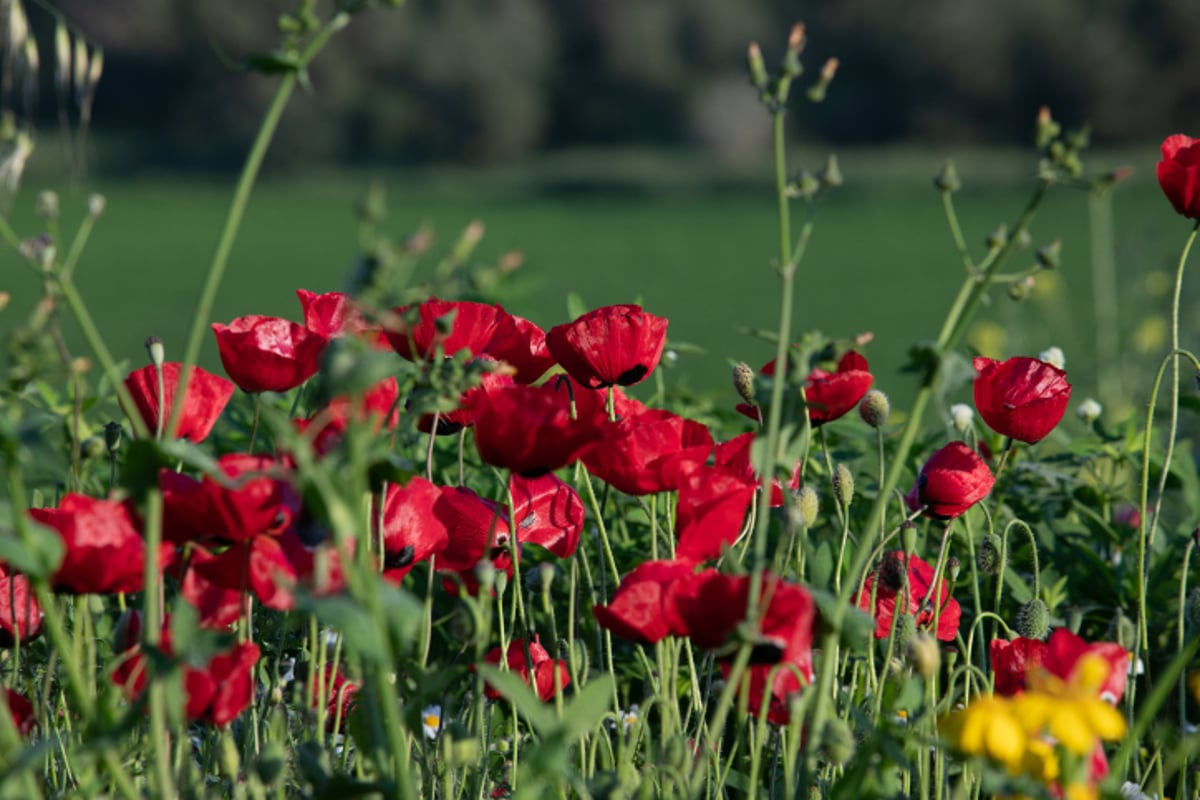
408 544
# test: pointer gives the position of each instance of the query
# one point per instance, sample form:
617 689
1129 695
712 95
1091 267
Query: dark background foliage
493 80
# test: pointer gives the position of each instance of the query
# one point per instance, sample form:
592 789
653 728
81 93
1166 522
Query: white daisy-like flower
431 721
1053 356
963 416
629 718
1089 410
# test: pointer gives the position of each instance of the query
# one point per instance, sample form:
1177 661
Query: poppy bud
806 507
1033 620
92 447
1191 610
831 175
156 351
998 238
112 437
743 381
843 485
875 409
95 205
1089 410
906 629
963 416
947 180
837 742
47 204
953 567
924 655
1048 254
1122 630
990 556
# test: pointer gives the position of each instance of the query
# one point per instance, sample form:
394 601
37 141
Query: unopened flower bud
1122 630
1053 356
1048 255
947 180
47 204
990 555
40 250
843 485
1024 239
92 447
953 567
816 92
908 538
1019 290
791 58
805 185
806 507
831 175
112 437
963 416
906 629
743 381
875 408
923 655
539 578
96 204
154 348
1089 410
998 238
758 69
1033 619
837 742
444 325
1047 129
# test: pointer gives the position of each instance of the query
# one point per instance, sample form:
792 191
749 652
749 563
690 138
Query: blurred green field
697 251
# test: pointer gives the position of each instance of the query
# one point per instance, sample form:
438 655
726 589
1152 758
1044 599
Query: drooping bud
1033 619
947 180
47 204
743 381
875 409
963 416
1054 356
1089 410
112 437
831 175
1048 255
154 348
906 629
990 555
923 655
843 485
837 742
953 567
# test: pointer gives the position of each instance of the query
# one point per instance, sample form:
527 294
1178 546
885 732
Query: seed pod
875 409
1033 620
990 555
843 485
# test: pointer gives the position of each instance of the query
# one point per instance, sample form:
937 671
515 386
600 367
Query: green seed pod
92 447
998 238
1049 255
743 381
990 555
923 655
808 505
875 409
843 485
906 629
837 742
1033 620
112 436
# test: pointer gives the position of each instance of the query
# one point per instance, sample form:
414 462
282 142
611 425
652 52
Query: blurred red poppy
268 354
951 481
610 346
637 609
451 422
735 456
641 454
453 326
207 511
711 511
1179 174
20 613
521 344
21 710
909 588
379 406
1022 398
205 397
539 670
335 314
411 531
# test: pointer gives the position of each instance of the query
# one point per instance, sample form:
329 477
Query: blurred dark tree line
490 80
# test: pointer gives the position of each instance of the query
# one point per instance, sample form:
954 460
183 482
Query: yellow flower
987 727
1070 711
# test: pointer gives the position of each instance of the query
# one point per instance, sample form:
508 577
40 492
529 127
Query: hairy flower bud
923 655
875 409
743 381
990 555
807 506
1054 356
831 175
1048 254
837 742
112 436
1123 630
843 485
1089 410
1033 620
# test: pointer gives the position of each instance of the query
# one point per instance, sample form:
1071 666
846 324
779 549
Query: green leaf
38 556
588 708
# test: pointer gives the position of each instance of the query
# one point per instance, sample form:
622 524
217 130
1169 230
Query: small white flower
1053 356
1189 728
331 638
963 416
1089 410
629 718
1131 791
1136 668
431 721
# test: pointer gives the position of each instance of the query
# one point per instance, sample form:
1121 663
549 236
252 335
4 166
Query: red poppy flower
521 344
639 454
453 326
829 395
205 397
104 551
411 531
476 528
205 510
216 693
20 613
1179 174
268 354
378 406
341 697
637 610
21 710
735 456
951 481
219 606
334 314
538 670
593 403
1064 650
529 430
610 346
1021 398
911 590
1012 660
711 511
548 513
